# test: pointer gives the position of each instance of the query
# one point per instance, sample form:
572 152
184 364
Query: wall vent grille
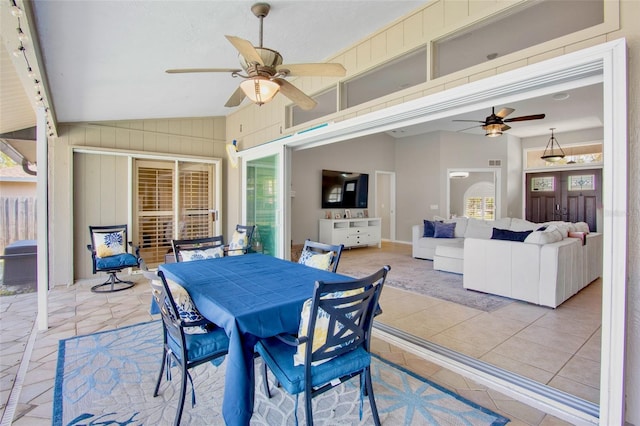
495 163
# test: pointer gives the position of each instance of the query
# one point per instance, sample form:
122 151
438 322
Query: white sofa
546 270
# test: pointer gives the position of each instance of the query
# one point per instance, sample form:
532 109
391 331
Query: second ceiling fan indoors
494 125
265 72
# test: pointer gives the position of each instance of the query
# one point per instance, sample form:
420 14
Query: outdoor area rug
109 377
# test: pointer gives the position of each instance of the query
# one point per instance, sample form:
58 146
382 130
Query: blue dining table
251 296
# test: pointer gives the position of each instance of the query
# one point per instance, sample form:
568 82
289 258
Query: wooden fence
17 220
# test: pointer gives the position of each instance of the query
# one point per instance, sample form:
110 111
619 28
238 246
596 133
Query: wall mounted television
344 190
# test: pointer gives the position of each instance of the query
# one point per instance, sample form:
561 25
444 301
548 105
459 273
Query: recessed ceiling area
576 109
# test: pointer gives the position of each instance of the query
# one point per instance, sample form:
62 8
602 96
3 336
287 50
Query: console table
351 232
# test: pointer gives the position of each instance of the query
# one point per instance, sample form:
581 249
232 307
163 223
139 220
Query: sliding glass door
264 199
173 199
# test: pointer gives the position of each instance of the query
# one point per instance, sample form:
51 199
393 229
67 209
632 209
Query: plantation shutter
195 201
155 209
479 201
171 204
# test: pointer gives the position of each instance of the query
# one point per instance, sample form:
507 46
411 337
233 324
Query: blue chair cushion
202 345
124 260
279 357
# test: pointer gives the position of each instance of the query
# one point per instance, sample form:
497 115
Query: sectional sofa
544 264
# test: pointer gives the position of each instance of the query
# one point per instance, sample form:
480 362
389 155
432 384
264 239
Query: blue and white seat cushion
238 244
316 260
122 260
109 243
197 254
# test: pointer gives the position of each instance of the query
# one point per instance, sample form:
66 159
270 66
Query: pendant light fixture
553 152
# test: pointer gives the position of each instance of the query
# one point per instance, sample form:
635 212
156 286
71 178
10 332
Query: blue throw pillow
444 230
429 228
505 234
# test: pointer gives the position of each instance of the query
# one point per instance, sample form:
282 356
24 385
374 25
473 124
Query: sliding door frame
605 63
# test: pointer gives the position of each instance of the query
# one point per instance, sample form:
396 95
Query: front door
571 196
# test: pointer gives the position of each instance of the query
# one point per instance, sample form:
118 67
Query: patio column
42 217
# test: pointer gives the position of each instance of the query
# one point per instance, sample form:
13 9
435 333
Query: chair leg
164 361
183 392
265 380
372 401
307 406
112 284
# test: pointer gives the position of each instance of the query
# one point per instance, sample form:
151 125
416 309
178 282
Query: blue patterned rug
109 377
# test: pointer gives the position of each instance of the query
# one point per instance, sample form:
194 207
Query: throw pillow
549 235
186 308
316 260
444 230
238 243
429 228
507 235
109 243
582 227
197 254
481 229
321 328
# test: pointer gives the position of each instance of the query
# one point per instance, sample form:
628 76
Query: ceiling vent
495 163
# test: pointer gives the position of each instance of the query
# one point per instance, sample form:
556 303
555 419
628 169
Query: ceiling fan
265 72
494 124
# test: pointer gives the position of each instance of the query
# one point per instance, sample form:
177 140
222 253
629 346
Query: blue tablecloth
251 297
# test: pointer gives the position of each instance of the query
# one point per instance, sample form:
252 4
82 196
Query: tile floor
28 357
558 347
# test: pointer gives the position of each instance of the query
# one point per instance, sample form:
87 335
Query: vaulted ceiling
106 60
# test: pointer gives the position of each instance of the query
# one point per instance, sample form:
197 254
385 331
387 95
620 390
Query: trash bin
21 263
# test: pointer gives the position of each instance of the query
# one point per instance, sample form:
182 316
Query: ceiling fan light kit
260 89
553 152
493 130
265 73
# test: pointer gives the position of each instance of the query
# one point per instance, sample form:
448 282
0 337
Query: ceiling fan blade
505 127
471 121
295 94
236 98
187 70
504 112
468 128
246 49
328 70
525 118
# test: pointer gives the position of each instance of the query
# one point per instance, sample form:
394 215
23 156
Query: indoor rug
418 276
109 377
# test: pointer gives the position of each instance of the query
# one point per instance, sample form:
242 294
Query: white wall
420 163
513 177
363 155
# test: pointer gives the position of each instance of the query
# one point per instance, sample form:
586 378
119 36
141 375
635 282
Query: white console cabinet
351 232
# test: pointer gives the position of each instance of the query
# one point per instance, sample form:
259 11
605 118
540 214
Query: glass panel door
173 200
154 209
195 201
264 200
